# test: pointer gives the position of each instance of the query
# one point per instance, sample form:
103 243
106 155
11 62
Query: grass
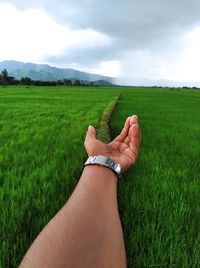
103 131
159 198
41 156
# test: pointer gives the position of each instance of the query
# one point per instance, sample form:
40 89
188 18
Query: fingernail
134 119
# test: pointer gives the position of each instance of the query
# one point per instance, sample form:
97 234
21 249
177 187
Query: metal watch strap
105 161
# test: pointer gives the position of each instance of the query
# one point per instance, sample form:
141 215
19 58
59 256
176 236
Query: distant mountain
102 83
46 72
146 82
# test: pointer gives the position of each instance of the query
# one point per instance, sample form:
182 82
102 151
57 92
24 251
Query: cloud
110 68
135 24
137 38
34 35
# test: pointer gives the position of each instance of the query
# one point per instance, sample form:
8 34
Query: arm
87 231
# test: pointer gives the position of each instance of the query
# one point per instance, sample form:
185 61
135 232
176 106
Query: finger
127 140
134 120
90 135
121 137
135 139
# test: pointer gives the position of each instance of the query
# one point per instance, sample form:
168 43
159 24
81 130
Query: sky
157 39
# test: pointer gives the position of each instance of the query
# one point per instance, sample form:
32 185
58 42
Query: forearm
83 232
87 231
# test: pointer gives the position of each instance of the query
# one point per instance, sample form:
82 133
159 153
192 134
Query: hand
123 149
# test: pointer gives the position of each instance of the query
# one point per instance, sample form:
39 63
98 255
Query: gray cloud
156 25
88 56
135 24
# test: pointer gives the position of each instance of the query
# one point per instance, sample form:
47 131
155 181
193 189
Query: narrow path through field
103 132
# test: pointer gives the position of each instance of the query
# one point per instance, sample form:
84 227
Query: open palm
123 149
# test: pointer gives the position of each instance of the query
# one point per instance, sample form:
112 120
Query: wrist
105 161
100 172
101 182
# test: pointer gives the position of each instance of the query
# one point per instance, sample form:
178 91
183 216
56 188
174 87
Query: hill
44 72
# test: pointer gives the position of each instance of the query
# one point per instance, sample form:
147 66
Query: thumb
91 134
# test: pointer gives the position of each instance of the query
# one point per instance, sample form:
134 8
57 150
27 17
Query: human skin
87 231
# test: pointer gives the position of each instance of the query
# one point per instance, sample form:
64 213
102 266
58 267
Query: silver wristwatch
106 162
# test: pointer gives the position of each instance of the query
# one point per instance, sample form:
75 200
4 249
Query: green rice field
42 130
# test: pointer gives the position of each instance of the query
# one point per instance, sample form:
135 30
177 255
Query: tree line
5 80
